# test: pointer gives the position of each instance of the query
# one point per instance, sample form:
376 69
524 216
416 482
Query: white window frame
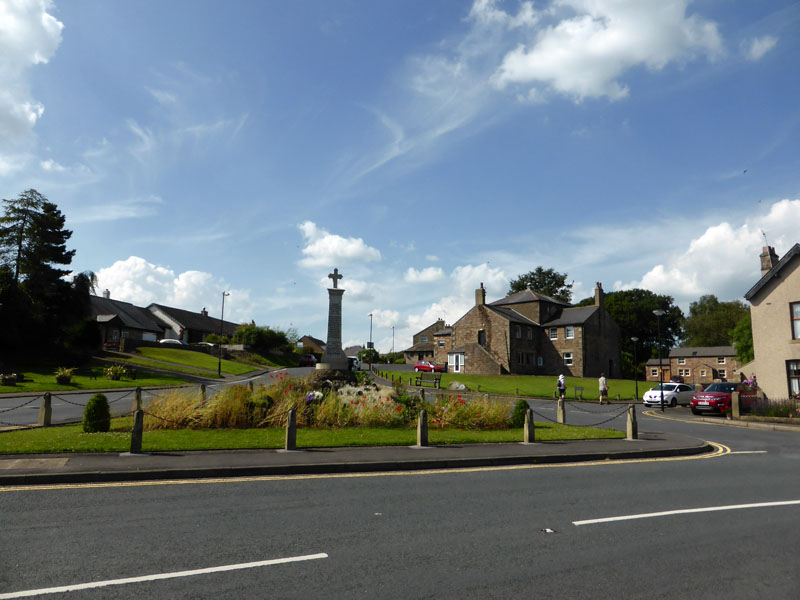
720 360
553 332
702 372
653 372
723 373
568 358
681 361
569 332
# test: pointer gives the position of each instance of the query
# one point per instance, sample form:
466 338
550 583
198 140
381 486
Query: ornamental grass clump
176 409
455 411
96 415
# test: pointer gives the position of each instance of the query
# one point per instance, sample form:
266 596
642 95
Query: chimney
204 312
768 259
598 295
107 294
480 296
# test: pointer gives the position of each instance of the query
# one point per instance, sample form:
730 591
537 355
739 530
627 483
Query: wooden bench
433 378
579 393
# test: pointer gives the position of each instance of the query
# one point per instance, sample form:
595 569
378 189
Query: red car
308 360
424 365
717 398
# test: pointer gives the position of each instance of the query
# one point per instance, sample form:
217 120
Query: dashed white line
747 452
158 576
685 511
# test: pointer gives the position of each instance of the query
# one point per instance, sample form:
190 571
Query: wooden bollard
633 428
250 385
422 428
561 413
529 435
136 432
137 400
45 411
203 391
291 430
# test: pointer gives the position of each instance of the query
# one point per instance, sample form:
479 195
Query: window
482 337
569 332
518 332
702 372
795 311
793 371
723 374
553 333
441 343
720 360
568 359
424 338
530 333
685 372
539 361
681 361
653 372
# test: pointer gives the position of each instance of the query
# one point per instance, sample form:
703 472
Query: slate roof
526 295
511 315
420 347
573 316
131 316
444 331
774 271
702 351
197 321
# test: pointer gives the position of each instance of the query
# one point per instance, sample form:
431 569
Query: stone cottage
529 333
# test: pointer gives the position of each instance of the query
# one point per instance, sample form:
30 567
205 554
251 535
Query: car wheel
695 411
673 403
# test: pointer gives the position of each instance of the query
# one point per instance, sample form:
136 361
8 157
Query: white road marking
157 576
685 511
748 452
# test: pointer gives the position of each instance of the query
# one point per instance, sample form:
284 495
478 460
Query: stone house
311 344
422 343
529 333
697 365
190 327
775 313
122 320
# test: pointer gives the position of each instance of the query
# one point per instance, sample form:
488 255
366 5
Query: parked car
308 360
717 398
171 341
674 394
424 365
354 363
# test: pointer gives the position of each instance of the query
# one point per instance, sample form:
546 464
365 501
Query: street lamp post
369 361
660 313
221 317
635 368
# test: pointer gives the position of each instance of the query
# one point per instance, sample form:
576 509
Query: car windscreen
668 387
721 387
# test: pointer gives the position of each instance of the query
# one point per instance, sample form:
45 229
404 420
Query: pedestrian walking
603 389
562 387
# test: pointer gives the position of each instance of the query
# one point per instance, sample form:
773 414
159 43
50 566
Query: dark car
717 398
308 360
425 366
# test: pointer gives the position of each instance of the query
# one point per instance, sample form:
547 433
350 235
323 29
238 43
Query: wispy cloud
756 48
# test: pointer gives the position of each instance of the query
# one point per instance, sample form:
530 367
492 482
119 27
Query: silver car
674 394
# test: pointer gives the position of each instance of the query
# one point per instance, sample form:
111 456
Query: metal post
659 313
635 369
221 317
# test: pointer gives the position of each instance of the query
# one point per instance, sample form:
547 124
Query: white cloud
724 260
52 166
385 318
758 47
586 53
132 208
29 35
328 249
426 275
467 278
140 282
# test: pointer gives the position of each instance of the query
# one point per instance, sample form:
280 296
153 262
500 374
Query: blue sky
422 147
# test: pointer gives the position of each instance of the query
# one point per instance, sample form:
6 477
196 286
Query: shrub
96 415
518 415
116 372
64 375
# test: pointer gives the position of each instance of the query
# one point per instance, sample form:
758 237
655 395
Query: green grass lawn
43 379
143 362
70 438
191 358
537 386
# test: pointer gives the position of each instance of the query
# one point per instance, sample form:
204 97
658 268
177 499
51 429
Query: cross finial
336 277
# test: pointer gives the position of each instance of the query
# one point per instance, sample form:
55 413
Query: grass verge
43 379
190 358
70 438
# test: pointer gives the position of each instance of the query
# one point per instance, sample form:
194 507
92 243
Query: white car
171 341
355 364
674 394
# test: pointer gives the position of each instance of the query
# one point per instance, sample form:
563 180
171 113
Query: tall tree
742 338
711 322
547 281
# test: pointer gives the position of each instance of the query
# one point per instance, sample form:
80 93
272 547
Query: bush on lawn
96 415
518 415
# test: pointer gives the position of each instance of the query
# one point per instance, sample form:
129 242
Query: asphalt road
490 533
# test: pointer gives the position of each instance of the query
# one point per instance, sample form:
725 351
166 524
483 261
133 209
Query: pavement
88 468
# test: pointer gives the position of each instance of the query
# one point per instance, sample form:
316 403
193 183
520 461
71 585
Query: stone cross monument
334 357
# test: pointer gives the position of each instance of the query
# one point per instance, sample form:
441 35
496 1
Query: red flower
398 408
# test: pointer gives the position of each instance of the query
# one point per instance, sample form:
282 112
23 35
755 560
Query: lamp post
660 313
369 346
392 339
635 339
221 317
